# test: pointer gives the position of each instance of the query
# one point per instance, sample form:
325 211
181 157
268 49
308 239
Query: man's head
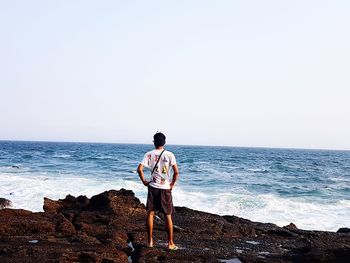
159 139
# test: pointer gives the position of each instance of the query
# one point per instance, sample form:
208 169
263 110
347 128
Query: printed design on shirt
149 159
161 170
156 169
156 157
158 179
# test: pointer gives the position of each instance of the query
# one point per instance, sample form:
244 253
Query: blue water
310 188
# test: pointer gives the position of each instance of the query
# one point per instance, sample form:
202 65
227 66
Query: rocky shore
110 227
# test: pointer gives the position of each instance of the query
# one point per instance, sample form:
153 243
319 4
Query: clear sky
238 73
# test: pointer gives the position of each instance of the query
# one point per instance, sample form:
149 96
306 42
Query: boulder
344 230
5 203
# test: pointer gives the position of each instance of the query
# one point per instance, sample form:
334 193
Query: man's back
160 178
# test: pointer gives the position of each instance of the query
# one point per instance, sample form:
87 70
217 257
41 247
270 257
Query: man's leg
149 223
169 229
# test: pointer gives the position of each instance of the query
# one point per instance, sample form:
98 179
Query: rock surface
4 203
110 227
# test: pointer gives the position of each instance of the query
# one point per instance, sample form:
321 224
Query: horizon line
193 145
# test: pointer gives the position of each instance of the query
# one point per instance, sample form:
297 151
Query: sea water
310 188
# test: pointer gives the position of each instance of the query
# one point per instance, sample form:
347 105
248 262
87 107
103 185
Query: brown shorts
160 200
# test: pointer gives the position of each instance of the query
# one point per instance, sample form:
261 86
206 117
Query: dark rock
344 230
64 226
51 206
110 227
69 203
122 202
291 226
5 203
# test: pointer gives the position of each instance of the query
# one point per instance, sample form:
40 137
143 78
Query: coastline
307 188
109 227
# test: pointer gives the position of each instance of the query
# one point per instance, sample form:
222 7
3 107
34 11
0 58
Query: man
160 186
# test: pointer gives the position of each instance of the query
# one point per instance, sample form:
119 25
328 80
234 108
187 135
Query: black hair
159 139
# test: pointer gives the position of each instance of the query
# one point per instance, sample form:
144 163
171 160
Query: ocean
310 188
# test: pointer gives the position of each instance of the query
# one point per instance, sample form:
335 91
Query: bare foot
172 246
150 244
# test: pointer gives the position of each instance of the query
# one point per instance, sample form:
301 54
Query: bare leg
149 223
169 229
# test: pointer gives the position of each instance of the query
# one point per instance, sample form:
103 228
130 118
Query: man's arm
142 176
175 176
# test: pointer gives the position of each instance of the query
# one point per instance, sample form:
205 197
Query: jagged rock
69 203
122 202
64 226
51 206
291 226
5 203
110 227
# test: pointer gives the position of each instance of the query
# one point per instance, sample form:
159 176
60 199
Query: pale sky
236 73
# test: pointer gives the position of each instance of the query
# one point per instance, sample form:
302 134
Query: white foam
61 155
270 208
26 191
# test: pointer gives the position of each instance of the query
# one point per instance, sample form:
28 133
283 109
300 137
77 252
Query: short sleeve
172 159
146 160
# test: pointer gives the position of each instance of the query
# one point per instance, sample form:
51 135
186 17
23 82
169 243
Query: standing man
160 186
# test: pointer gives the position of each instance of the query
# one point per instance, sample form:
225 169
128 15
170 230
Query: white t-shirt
161 175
